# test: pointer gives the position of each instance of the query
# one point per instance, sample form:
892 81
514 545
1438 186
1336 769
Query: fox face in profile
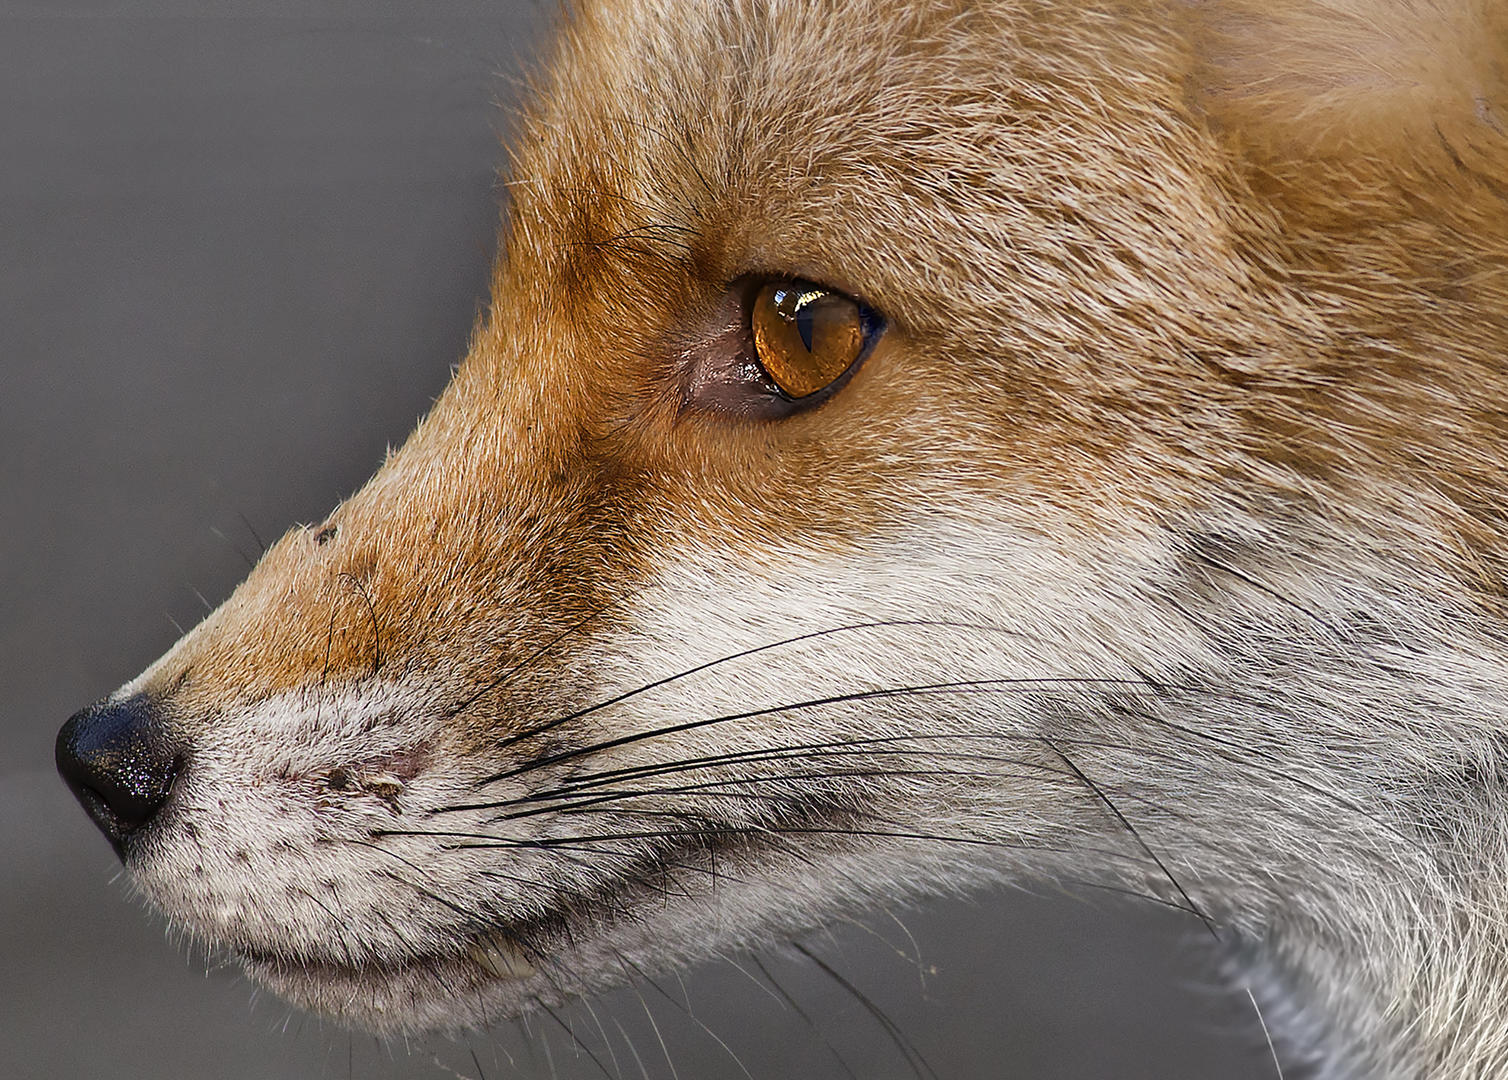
909 446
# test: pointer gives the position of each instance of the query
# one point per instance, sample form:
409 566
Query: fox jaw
1130 510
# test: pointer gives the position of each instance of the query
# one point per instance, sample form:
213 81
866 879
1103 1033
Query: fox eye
776 347
805 336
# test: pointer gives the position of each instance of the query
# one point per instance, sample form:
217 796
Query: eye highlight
806 337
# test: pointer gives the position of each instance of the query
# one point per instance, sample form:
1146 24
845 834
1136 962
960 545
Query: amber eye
806 336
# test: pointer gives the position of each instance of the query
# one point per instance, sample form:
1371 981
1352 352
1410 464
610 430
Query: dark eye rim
782 404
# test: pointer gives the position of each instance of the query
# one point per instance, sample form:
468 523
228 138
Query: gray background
239 257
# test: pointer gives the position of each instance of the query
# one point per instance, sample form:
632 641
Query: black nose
120 762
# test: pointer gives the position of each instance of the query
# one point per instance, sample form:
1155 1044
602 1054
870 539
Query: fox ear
1419 83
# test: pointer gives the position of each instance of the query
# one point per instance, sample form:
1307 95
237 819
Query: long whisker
681 1008
1135 894
860 748
833 699
575 1039
580 793
596 802
606 1040
1142 686
467 841
1130 828
740 655
908 1049
785 996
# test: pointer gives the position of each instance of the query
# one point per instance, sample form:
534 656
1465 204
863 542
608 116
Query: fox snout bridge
120 762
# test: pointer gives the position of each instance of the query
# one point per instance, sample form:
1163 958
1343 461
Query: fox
908 447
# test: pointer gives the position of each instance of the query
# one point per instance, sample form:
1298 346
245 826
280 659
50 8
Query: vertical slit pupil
804 324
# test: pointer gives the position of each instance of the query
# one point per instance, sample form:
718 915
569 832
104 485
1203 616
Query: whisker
479 918
1020 684
862 748
361 590
629 1042
335 923
588 856
1130 828
581 805
261 544
835 747
685 1011
1135 894
575 1039
468 841
1246 756
606 1041
655 1027
913 1056
739 655
795 1005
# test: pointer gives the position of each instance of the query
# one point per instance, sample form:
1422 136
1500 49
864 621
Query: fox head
908 445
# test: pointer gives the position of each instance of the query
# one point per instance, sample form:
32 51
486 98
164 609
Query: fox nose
120 762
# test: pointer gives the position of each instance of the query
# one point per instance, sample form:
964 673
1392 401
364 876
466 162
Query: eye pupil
804 325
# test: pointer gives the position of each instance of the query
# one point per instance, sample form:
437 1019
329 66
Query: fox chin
909 446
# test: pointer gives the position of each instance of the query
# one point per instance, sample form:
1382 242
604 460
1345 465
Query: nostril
120 761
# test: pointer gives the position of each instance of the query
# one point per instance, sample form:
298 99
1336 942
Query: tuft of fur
1160 541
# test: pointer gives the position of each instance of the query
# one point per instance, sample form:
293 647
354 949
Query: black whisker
1245 756
908 1049
479 918
578 788
1126 822
1017 685
588 856
361 590
575 806
1242 576
576 1039
470 841
336 924
792 1002
261 544
835 748
540 729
